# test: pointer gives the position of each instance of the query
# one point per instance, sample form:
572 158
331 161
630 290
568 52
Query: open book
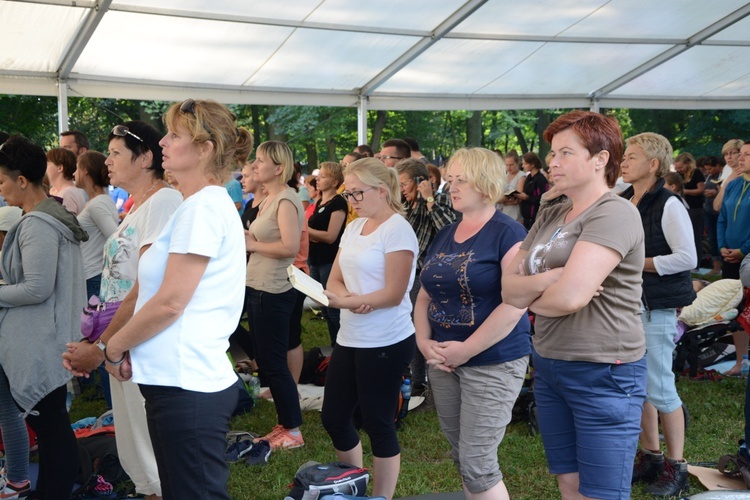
306 284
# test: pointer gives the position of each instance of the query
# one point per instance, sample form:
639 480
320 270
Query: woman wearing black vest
670 255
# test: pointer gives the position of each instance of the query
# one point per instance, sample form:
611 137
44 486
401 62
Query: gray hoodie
40 307
745 271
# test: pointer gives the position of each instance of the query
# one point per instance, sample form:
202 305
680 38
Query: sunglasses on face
122 131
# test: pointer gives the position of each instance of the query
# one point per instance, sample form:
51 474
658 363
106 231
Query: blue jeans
271 313
660 326
321 272
590 419
188 432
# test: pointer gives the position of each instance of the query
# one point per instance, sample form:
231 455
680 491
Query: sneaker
258 454
648 466
237 451
673 479
276 429
284 440
13 491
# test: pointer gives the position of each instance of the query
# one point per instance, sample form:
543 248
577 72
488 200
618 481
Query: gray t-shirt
608 329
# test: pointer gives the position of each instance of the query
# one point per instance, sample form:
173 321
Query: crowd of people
432 272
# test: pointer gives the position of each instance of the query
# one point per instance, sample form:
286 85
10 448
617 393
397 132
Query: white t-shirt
99 219
73 199
123 248
191 352
362 261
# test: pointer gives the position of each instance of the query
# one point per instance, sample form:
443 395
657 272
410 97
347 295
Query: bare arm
587 268
331 233
181 278
720 195
423 330
495 328
520 290
397 273
699 189
289 227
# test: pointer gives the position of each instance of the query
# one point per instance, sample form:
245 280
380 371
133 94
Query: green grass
716 423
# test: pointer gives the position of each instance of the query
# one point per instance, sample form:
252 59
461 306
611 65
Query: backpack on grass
100 464
315 480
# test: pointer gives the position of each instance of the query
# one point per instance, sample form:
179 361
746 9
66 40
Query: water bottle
745 366
406 395
254 384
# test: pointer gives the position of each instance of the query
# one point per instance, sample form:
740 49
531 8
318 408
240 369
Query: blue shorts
660 326
590 419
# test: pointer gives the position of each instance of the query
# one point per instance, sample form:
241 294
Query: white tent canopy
383 54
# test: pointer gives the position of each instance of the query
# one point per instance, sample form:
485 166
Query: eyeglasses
403 185
122 131
387 157
355 195
188 106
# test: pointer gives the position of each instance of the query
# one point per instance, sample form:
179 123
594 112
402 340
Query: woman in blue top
477 346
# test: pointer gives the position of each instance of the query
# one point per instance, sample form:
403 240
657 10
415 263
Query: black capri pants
370 378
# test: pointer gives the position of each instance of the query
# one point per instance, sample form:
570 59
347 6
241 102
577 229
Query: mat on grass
715 480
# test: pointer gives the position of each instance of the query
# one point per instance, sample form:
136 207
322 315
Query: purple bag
96 316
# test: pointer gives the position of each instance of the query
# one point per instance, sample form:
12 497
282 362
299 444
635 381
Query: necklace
143 196
745 185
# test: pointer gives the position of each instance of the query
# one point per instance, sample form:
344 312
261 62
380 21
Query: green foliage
32 116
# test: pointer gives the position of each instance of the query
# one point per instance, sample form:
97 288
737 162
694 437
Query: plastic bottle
406 394
254 384
745 367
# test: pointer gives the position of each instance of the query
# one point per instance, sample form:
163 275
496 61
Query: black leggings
58 449
370 377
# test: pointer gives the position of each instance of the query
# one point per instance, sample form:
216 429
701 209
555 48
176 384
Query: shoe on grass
237 451
259 453
648 466
673 479
15 491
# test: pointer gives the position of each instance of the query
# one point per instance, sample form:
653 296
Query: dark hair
675 179
81 140
401 147
93 163
3 137
412 142
151 138
712 161
293 182
64 158
365 150
598 133
434 171
533 159
20 156
357 156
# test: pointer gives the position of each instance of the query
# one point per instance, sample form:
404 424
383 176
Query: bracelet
114 363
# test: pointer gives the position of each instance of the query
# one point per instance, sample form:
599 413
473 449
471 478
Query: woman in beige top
273 241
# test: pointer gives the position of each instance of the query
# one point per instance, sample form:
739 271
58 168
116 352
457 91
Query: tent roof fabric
420 54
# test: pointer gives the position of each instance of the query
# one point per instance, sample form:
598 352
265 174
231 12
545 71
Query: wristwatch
101 345
430 200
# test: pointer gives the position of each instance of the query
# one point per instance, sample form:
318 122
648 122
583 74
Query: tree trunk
474 129
331 145
312 156
377 129
521 140
255 117
541 125
275 134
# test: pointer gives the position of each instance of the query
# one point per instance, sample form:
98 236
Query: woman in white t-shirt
135 164
190 298
370 280
61 166
98 218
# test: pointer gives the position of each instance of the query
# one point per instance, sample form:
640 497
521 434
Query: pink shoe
285 440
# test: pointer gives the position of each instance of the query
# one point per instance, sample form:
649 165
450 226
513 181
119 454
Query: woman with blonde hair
694 183
369 282
273 241
190 293
477 346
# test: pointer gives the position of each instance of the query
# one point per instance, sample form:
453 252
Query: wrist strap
114 363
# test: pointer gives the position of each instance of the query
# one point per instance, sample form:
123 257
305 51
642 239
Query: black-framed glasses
122 131
355 195
188 106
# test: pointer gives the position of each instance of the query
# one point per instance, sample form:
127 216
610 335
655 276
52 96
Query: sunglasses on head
122 131
188 106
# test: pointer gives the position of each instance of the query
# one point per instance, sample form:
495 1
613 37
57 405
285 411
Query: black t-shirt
694 201
325 253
